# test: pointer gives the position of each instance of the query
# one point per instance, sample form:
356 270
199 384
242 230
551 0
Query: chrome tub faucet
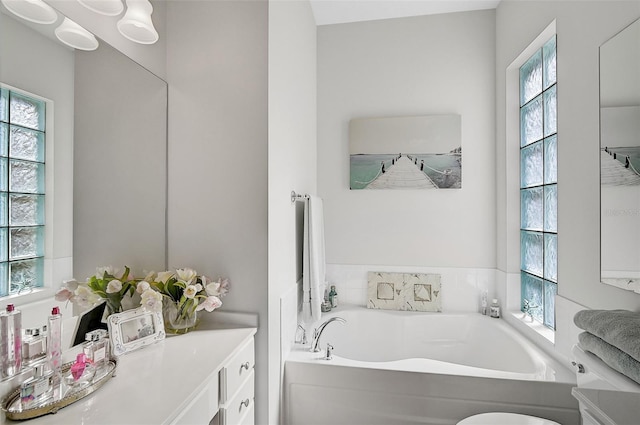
318 333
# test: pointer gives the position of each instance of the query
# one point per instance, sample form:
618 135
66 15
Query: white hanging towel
313 261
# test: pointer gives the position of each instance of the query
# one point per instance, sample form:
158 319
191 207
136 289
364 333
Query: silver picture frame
134 329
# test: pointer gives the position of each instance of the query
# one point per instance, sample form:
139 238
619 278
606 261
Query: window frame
51 266
543 282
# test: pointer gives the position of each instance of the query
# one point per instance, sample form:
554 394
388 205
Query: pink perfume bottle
81 372
54 346
10 341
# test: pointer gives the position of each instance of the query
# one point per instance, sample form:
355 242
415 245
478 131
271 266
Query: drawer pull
245 365
244 403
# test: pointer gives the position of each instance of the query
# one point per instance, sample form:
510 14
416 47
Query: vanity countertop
154 384
610 407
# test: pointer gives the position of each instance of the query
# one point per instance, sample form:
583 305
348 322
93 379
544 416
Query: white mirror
620 159
108 154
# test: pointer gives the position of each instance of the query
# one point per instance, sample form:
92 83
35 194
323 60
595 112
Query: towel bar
296 197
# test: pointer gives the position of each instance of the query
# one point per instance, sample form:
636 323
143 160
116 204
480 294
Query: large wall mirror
110 156
620 159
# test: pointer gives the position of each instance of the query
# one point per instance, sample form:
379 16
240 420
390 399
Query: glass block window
539 184
22 187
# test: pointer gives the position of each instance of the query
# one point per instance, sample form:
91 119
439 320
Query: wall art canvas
404 291
420 152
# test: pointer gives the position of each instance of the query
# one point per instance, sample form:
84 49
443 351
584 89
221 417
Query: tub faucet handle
328 356
303 338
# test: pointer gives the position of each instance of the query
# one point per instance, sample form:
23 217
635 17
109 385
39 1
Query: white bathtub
398 368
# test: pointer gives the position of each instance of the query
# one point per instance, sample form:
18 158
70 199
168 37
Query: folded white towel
313 269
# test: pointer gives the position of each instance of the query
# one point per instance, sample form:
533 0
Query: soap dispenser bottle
494 309
333 297
483 303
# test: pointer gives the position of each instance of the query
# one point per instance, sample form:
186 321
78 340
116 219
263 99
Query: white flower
150 277
64 294
151 300
213 288
190 291
209 304
114 286
164 276
186 275
219 288
100 271
85 297
142 287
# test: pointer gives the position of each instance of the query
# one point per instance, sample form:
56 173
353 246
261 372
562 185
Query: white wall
292 166
581 26
217 213
439 64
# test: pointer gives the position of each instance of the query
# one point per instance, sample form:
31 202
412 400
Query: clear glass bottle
10 341
333 297
96 348
38 388
34 346
54 346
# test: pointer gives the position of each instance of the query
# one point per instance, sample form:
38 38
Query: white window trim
56 268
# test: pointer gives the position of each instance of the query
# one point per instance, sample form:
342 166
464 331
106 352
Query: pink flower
210 303
64 294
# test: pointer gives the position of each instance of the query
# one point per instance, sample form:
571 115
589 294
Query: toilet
591 373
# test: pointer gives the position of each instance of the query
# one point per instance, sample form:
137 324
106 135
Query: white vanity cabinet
200 378
237 381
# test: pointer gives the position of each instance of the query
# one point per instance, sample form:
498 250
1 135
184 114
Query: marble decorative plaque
404 291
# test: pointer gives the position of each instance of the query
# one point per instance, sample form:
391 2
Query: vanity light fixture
104 7
32 10
75 36
136 24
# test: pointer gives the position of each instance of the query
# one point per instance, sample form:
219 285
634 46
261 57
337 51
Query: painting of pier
419 152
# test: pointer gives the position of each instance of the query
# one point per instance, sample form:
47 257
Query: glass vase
112 307
178 319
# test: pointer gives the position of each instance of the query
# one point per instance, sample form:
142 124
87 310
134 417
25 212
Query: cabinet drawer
236 372
202 408
239 410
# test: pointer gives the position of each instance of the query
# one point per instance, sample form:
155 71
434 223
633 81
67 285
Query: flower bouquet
106 285
184 293
179 294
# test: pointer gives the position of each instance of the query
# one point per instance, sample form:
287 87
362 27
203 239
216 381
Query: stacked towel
613 336
613 357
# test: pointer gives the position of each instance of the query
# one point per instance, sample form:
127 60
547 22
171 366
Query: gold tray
63 396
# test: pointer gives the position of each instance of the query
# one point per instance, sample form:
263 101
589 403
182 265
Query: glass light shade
32 10
104 7
136 24
75 36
